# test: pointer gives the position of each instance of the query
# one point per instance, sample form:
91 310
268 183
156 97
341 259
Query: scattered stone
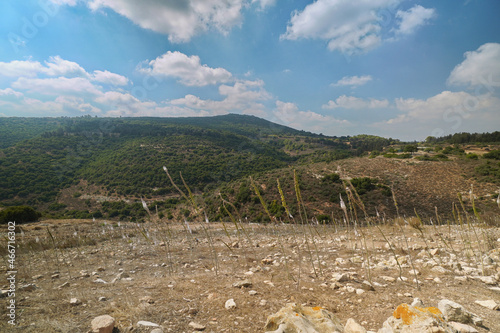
100 281
340 277
267 261
146 299
64 285
75 301
28 287
3 293
490 304
489 280
242 284
360 291
409 319
230 304
252 292
388 278
263 302
366 285
37 277
196 326
439 269
352 326
55 276
295 318
103 324
157 330
147 323
102 299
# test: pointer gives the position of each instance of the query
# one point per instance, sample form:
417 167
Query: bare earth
172 277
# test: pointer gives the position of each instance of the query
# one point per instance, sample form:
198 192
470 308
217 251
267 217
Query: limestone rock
352 326
196 326
490 304
230 304
242 284
454 312
75 301
103 324
297 319
147 323
409 319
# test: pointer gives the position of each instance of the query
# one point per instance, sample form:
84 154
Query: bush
494 154
19 214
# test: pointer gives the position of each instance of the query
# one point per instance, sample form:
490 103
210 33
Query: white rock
103 324
230 304
196 326
147 323
454 312
352 326
75 301
252 292
490 304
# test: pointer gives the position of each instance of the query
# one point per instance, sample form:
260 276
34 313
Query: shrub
19 214
494 155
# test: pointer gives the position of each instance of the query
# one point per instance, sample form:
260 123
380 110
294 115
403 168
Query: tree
19 214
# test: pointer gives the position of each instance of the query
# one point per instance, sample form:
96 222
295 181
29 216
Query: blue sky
395 68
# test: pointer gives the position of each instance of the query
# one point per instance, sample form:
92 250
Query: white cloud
480 68
353 80
348 26
20 68
351 102
265 3
243 96
444 113
413 18
10 92
109 78
290 115
188 70
180 20
56 66
57 86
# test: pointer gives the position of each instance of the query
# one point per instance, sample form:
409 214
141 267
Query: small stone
366 285
439 269
230 304
352 326
100 269
267 261
28 287
388 278
454 312
100 281
157 330
102 299
242 284
146 299
64 285
75 301
55 276
263 302
103 324
490 304
360 291
252 292
147 323
196 326
37 277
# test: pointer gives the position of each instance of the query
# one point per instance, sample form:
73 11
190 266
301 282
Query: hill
101 167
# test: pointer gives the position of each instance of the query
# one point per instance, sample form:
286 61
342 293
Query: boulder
103 324
454 312
298 319
409 319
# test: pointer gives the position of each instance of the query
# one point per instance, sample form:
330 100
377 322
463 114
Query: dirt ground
176 274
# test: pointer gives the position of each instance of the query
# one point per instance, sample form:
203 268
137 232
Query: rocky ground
215 277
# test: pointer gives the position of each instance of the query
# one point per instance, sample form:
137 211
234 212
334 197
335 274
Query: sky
404 69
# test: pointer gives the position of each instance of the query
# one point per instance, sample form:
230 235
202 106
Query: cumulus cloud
480 67
188 70
289 114
180 20
56 66
20 68
353 80
109 78
444 113
243 96
57 86
10 92
351 102
413 18
348 26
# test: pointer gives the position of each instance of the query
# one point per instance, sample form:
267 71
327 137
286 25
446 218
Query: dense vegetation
19 214
62 166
